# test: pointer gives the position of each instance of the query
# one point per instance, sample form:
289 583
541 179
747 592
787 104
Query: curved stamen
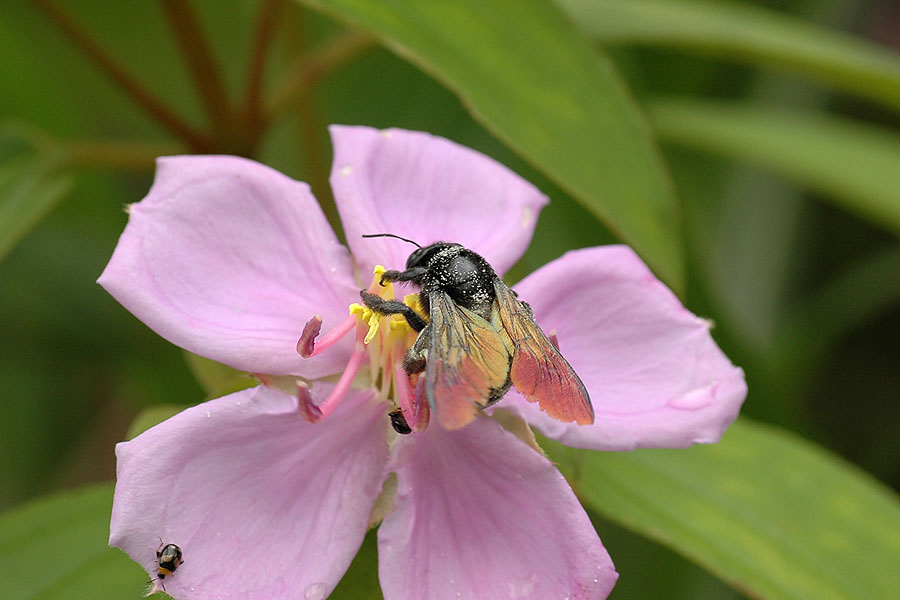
404 393
305 404
313 413
307 346
421 410
384 338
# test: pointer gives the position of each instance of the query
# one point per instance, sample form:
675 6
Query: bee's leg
414 274
414 361
393 307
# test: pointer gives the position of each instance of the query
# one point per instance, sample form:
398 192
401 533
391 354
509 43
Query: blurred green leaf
217 379
360 582
854 165
30 184
749 34
531 78
766 511
56 548
150 416
864 288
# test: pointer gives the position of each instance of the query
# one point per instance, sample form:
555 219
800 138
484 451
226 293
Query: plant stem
309 126
195 140
204 69
266 20
308 68
121 155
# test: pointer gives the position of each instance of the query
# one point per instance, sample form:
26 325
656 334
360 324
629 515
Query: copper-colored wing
539 371
467 364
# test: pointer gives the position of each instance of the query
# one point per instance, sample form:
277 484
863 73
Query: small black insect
168 558
398 421
476 339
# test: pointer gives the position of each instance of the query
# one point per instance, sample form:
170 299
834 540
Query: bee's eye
416 258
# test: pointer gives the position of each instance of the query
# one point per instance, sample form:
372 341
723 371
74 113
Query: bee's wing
468 361
539 371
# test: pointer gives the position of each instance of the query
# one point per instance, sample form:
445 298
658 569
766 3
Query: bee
476 339
168 558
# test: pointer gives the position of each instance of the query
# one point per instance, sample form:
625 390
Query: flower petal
228 258
263 504
655 375
480 514
428 189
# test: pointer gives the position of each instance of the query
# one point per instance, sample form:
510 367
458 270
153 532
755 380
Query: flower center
384 340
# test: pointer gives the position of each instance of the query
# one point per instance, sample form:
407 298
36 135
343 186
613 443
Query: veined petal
262 504
655 376
229 259
480 514
428 189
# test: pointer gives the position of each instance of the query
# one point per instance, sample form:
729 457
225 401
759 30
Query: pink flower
229 259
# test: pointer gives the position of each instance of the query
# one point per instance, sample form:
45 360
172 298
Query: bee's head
421 256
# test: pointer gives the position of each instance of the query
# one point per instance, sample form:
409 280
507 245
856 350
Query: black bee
168 558
476 339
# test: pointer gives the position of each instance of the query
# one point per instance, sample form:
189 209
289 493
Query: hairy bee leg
414 361
413 364
393 307
414 274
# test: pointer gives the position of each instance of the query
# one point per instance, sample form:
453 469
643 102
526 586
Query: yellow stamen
387 336
397 323
365 315
386 291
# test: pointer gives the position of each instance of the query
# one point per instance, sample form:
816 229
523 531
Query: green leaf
30 185
766 511
869 285
217 379
533 80
56 548
151 416
361 580
750 34
853 165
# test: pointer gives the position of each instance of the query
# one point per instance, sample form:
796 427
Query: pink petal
428 189
262 504
655 376
479 514
229 259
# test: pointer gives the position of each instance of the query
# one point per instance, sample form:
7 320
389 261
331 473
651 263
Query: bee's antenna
374 235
